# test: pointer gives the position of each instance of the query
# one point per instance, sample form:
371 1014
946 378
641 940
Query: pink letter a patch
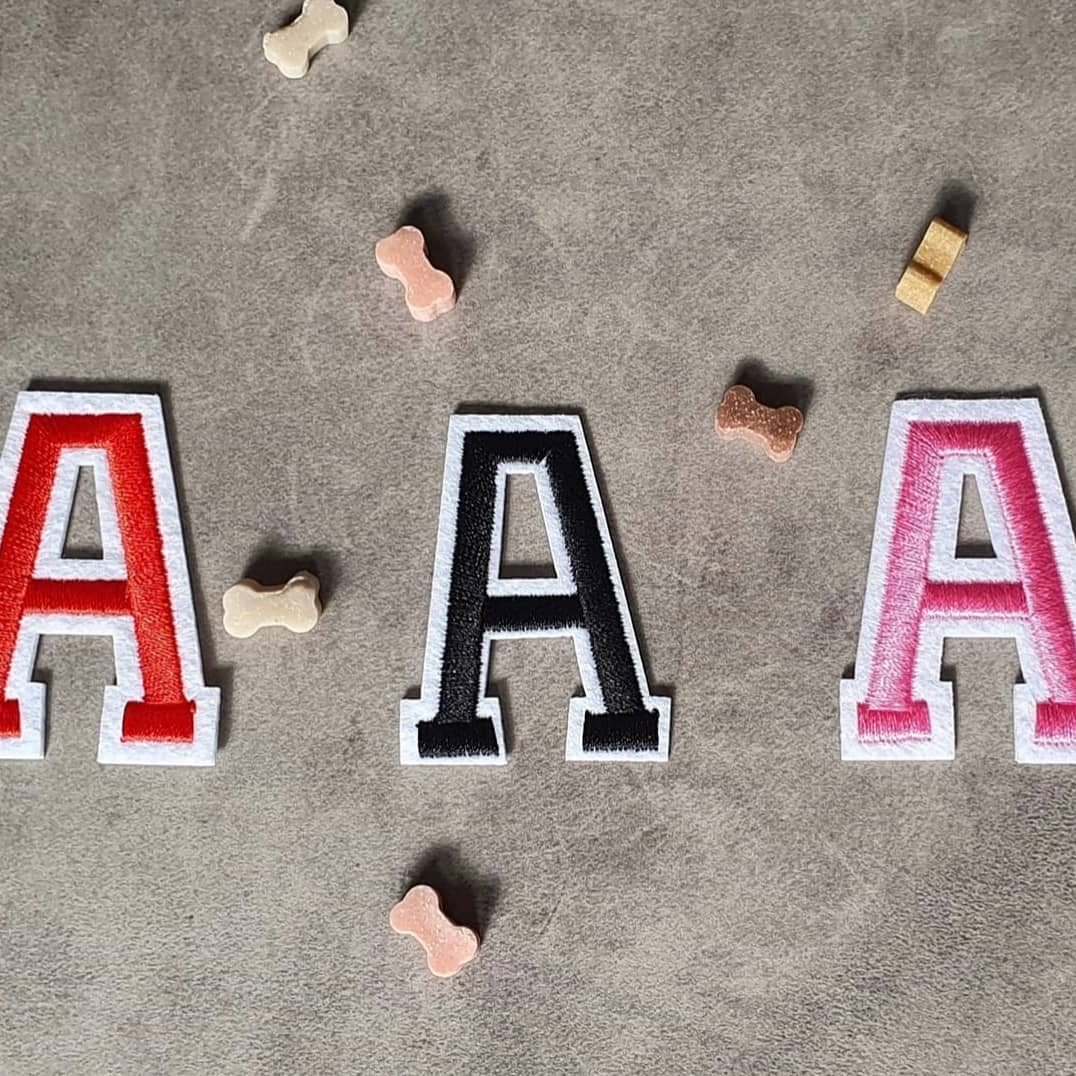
919 591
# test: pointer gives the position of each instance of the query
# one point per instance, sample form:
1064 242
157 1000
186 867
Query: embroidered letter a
159 710
455 721
919 591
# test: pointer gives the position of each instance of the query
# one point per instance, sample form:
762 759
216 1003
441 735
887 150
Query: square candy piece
940 248
918 287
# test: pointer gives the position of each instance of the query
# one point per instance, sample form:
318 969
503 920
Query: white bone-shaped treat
294 605
321 23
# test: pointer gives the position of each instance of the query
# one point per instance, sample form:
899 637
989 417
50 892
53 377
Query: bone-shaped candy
448 946
930 264
429 292
321 23
249 606
742 417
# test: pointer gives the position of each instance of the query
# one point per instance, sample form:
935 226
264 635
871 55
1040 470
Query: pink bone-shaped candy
448 946
429 293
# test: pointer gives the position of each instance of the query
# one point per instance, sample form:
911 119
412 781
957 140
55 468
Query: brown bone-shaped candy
429 293
448 946
742 417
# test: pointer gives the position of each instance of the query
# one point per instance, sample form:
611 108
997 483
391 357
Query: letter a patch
919 591
455 721
159 711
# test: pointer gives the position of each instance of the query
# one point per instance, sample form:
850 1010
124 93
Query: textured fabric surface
643 201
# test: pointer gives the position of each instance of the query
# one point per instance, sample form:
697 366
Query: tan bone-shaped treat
448 946
775 429
429 293
294 605
321 23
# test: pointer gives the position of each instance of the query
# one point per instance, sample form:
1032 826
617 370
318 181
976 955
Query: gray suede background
645 200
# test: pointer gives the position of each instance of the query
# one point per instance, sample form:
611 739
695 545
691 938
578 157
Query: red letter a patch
159 711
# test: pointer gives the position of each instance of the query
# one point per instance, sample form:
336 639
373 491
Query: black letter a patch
455 721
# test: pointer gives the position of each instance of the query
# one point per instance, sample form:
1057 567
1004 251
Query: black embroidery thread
472 605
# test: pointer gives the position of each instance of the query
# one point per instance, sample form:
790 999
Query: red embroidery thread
159 711
164 714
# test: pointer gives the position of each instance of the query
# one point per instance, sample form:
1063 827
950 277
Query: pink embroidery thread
1033 598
